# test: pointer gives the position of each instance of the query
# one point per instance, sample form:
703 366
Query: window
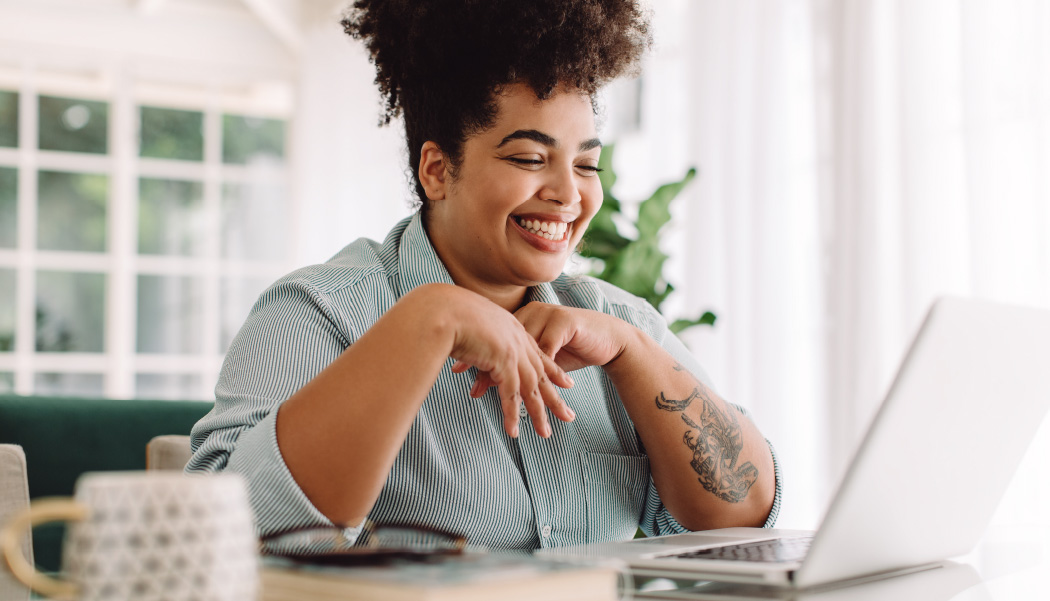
135 234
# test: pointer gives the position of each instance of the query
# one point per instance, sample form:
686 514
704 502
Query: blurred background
162 161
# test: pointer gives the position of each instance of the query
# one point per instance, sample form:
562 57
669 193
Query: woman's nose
561 187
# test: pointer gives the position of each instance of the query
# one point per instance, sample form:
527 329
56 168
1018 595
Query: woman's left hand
574 338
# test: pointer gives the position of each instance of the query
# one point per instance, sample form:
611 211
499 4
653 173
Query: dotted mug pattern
153 536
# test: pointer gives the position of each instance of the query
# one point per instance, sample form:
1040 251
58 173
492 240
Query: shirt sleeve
289 337
656 519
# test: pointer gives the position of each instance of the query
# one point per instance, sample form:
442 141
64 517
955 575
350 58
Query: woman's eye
524 161
589 169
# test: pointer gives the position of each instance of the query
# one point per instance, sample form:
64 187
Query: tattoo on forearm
716 442
662 402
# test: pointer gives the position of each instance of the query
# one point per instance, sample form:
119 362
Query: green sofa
65 437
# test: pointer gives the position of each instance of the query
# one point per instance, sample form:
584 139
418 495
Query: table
1010 564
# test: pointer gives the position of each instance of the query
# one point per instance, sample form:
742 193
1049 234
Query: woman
452 376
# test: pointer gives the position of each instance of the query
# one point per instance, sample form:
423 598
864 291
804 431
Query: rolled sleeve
658 521
278 501
774 512
290 336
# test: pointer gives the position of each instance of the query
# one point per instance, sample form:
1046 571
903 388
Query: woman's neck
510 298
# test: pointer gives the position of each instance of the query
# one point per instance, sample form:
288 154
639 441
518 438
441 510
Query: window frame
116 84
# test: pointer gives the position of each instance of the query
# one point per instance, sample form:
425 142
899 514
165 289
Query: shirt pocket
615 486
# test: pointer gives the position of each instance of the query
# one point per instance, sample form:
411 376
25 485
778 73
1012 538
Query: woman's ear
432 172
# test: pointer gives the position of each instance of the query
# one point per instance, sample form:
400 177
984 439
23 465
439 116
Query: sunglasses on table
377 544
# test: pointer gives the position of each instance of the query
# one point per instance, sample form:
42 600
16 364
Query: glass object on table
71 211
170 314
377 543
73 125
70 312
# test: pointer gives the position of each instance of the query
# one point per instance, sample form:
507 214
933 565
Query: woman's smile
547 235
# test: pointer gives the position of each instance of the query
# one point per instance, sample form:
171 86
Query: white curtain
857 159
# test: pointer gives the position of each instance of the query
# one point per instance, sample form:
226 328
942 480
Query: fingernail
572 414
514 431
547 431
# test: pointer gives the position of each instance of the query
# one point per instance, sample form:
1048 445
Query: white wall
350 175
197 43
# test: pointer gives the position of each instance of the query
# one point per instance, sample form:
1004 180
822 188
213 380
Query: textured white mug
146 536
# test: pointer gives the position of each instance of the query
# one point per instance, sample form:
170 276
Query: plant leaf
654 212
638 270
602 243
634 265
679 325
607 176
603 239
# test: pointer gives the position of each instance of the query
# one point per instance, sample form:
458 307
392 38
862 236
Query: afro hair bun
544 43
439 63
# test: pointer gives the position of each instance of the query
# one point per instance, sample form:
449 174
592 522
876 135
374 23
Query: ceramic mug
143 536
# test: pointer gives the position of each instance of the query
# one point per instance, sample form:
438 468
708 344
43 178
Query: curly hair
442 63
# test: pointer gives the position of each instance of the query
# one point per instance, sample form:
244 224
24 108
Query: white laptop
926 478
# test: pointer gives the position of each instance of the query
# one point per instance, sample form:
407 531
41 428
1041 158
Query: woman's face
525 190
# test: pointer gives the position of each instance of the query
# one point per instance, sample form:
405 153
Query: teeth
551 230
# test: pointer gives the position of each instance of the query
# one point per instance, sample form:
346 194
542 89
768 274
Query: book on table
467 577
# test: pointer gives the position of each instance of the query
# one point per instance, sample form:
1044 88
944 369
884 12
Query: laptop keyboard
773 551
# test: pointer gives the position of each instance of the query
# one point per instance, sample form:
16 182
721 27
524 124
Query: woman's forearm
712 466
339 434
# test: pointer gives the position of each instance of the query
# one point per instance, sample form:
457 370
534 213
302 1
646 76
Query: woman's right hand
488 337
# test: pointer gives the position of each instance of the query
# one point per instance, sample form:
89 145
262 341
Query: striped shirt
457 470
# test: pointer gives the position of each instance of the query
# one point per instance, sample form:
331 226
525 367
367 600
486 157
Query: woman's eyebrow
546 139
589 144
529 134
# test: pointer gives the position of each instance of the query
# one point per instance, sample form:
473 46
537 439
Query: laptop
950 581
924 481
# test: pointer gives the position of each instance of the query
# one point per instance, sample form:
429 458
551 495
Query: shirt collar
418 264
417 261
542 293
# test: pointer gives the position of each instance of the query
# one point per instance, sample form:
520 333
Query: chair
168 452
14 498
66 437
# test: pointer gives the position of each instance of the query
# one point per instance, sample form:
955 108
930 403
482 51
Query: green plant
635 265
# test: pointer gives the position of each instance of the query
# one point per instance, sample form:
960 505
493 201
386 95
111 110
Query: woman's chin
542 276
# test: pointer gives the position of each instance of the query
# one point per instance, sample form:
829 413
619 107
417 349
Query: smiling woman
538 164
348 392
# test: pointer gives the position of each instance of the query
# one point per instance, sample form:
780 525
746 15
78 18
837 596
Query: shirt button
522 411
546 531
